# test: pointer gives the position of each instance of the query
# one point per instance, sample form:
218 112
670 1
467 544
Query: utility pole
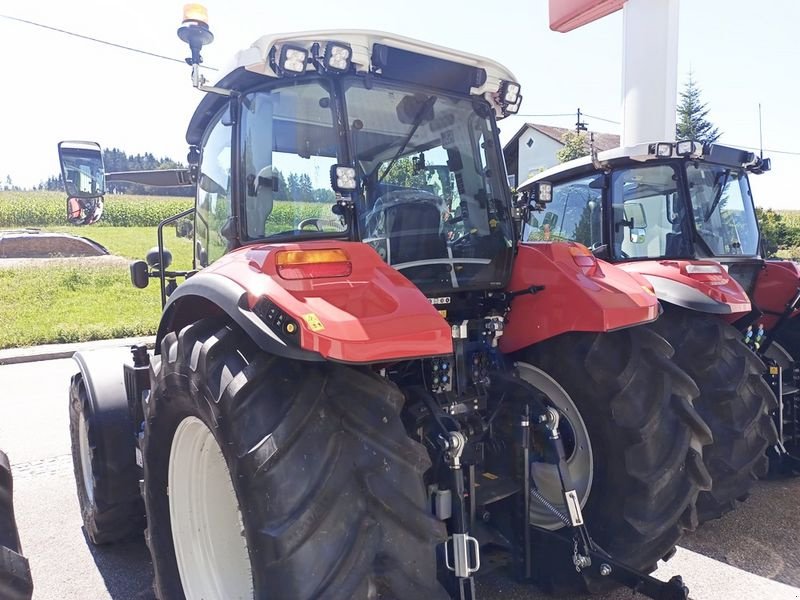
580 125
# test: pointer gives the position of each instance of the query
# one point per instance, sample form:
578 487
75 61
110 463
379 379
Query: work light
292 60
513 109
337 57
509 92
343 178
663 149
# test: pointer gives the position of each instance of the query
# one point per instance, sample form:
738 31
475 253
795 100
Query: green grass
57 304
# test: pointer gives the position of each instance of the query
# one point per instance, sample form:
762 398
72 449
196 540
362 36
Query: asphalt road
750 554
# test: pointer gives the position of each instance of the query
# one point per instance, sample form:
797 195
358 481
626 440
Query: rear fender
713 293
576 297
373 315
775 286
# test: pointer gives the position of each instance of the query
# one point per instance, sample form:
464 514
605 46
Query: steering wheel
310 222
320 223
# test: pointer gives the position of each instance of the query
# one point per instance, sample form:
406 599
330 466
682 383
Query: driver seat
413 232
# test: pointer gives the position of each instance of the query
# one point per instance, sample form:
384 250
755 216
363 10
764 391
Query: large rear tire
15 573
647 442
104 463
734 400
299 477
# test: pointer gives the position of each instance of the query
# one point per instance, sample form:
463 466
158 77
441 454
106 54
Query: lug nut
605 570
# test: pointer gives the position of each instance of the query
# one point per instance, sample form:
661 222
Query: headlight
337 57
292 60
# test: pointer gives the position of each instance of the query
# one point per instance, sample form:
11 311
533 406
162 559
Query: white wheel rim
580 463
86 460
207 529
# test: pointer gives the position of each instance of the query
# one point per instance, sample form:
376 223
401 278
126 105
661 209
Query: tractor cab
360 136
682 204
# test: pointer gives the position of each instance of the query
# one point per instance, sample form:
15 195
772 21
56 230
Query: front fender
715 293
576 297
373 315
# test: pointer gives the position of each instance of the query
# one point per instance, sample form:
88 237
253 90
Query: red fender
581 293
373 315
708 289
776 284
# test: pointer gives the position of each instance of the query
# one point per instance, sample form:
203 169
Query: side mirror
634 213
140 276
84 180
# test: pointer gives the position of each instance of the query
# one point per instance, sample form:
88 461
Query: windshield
650 217
723 209
433 196
289 145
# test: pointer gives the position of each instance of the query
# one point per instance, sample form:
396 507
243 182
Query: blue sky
56 87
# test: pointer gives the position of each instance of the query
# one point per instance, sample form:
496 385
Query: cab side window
575 214
214 230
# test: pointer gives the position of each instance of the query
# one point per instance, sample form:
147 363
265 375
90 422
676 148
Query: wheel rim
86 459
580 458
207 529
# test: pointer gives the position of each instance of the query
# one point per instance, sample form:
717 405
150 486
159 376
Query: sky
57 87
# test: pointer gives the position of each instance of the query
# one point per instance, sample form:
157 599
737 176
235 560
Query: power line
548 115
767 150
601 118
91 39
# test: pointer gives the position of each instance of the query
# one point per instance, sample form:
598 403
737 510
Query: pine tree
692 112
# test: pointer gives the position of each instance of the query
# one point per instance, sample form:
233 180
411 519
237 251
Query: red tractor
15 574
366 383
682 215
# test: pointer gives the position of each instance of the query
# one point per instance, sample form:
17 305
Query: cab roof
253 65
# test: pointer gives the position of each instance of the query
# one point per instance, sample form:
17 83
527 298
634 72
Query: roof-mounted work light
337 57
292 60
509 92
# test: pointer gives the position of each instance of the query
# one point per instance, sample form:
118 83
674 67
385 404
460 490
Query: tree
692 122
775 232
576 144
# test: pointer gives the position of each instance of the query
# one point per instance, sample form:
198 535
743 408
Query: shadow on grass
125 567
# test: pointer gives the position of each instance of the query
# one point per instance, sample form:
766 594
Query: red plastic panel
720 288
566 15
777 283
373 315
576 296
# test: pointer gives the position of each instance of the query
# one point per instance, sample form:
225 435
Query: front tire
15 573
647 443
313 489
104 463
734 400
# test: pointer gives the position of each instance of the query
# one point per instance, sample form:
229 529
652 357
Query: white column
649 70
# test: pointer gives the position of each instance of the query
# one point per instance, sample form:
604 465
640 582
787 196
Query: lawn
80 302
54 304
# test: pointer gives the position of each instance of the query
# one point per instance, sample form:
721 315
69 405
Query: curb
14 356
